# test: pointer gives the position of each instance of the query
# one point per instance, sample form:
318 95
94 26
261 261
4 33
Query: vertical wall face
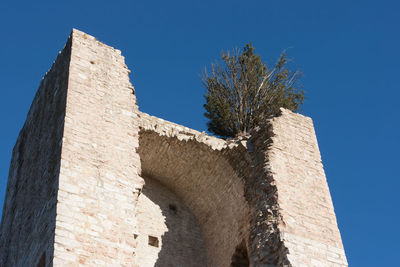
169 234
308 222
95 223
27 229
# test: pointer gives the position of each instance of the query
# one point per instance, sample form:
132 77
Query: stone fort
95 182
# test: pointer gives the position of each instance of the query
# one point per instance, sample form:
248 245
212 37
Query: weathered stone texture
162 215
286 218
96 223
194 166
75 196
307 218
28 222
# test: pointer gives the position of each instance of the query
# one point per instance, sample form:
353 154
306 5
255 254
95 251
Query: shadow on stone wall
178 234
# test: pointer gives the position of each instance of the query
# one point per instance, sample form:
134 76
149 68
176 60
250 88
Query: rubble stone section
95 222
28 222
75 196
308 222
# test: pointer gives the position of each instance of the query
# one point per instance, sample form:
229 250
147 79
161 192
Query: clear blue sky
347 50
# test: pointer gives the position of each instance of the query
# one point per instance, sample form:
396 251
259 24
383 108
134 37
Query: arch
201 175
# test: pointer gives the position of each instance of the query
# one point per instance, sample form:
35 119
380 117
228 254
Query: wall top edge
80 35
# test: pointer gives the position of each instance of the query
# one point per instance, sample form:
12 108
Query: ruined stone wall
96 223
28 222
195 167
75 195
287 217
307 224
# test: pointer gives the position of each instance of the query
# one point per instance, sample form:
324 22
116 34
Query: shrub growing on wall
242 92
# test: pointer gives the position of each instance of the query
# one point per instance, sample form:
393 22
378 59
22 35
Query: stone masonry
95 182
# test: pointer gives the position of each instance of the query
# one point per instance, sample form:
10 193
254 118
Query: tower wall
307 223
99 172
75 189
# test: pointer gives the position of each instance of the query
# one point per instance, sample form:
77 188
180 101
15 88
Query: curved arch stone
199 171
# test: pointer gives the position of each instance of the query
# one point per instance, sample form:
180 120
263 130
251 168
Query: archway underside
168 232
205 182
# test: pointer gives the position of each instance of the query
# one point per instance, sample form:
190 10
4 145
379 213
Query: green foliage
242 92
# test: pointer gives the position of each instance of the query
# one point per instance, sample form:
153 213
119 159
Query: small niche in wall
42 261
240 258
153 241
173 209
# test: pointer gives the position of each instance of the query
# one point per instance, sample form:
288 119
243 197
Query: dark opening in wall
153 241
42 261
173 208
240 257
